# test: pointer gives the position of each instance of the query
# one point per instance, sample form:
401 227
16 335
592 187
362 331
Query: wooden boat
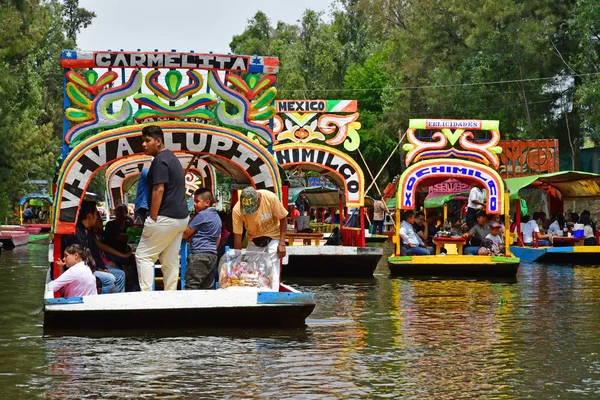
32 230
376 238
242 154
331 261
432 162
38 238
44 228
12 239
157 310
350 259
559 186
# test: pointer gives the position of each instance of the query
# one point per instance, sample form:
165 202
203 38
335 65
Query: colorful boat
560 187
196 120
32 230
12 239
350 258
185 309
452 152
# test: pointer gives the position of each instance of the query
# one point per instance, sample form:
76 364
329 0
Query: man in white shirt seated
532 226
412 244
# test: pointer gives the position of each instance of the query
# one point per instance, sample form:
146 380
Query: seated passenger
496 238
573 219
28 215
533 226
589 216
78 279
588 231
432 229
119 258
556 227
88 218
420 226
477 233
411 245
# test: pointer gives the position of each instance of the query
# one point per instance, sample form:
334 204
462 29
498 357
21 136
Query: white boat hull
236 307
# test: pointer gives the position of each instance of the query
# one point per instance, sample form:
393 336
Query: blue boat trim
285 298
62 300
528 254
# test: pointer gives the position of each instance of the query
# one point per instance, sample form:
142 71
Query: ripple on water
536 337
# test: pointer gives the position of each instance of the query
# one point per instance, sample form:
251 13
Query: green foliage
30 93
532 65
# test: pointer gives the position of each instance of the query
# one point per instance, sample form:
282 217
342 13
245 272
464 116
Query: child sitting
78 280
204 233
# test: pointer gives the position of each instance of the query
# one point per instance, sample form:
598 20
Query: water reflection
534 337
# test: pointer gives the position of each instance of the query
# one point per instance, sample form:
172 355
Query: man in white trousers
168 215
265 219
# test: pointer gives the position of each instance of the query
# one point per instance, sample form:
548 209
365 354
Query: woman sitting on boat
78 280
412 244
588 230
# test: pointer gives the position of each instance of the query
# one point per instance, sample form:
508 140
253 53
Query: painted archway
414 175
123 173
229 151
338 167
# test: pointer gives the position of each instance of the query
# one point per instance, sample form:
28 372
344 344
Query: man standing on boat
265 220
475 204
168 216
378 215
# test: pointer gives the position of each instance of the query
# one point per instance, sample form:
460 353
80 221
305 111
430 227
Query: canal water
536 337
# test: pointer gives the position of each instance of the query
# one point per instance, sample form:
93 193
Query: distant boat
12 239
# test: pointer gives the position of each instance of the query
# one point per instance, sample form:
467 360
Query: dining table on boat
307 237
440 241
567 241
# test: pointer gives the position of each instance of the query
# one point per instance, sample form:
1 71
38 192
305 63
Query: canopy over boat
35 196
572 185
442 200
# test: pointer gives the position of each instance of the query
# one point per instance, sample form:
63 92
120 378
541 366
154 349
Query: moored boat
348 258
440 159
12 239
559 187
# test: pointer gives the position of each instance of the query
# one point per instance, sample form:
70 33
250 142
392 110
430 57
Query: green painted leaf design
173 81
452 136
91 77
265 99
352 140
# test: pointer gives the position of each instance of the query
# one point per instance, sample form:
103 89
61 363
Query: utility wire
441 86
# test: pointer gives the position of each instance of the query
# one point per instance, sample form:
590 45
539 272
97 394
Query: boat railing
352 237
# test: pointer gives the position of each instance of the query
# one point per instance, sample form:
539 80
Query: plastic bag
241 268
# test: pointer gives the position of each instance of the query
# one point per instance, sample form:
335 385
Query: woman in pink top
78 280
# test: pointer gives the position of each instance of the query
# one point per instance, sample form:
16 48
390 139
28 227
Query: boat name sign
487 179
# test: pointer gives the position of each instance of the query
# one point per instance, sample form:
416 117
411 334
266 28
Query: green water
537 337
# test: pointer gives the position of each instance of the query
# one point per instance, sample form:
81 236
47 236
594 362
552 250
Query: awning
38 196
572 185
317 196
441 200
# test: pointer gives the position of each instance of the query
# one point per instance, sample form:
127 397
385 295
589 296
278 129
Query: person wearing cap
265 219
496 237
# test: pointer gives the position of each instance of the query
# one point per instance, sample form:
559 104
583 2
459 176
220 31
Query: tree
75 18
31 87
